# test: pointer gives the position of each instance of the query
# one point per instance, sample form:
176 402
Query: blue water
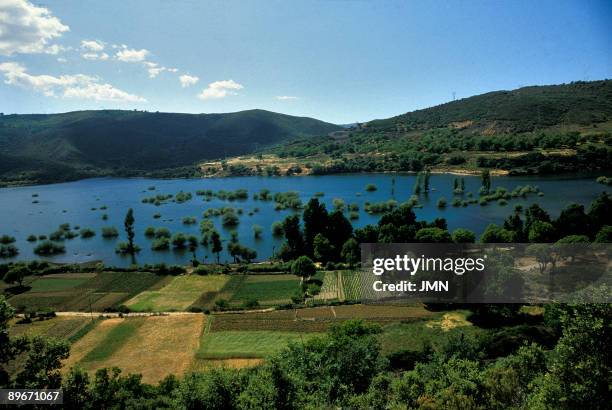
72 202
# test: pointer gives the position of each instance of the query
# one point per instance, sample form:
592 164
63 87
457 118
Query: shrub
149 232
8 251
442 202
303 266
179 240
6 239
49 248
370 187
109 232
257 231
230 219
277 228
162 233
189 220
32 238
87 233
160 244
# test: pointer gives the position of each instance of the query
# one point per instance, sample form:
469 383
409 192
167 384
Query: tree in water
426 180
128 223
217 246
486 181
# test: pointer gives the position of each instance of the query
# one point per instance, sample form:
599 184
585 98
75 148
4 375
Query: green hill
523 110
538 129
55 147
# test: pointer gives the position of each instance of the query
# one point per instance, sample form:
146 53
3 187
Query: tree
257 231
323 249
339 231
351 252
535 213
9 347
461 235
303 267
485 177
495 234
41 369
604 235
600 211
540 232
433 235
17 274
514 223
316 220
573 221
217 247
128 223
293 234
426 180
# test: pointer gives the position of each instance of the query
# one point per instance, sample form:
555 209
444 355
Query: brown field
60 327
160 346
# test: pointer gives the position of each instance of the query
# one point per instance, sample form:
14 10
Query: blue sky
339 61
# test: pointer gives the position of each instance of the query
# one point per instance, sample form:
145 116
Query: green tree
433 235
485 177
351 253
303 267
604 235
461 235
323 249
316 220
293 234
540 232
17 274
495 234
217 246
128 223
339 231
41 369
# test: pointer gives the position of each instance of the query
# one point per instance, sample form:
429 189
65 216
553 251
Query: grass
179 294
63 327
152 346
114 340
414 335
53 284
80 292
247 344
267 289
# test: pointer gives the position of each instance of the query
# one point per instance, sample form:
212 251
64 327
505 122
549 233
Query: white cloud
130 55
188 80
220 89
25 28
286 97
67 86
92 45
95 56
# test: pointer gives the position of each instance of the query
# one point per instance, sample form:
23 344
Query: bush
303 266
442 202
160 244
149 232
257 231
277 228
32 238
8 251
179 240
370 187
162 233
251 303
230 219
6 239
109 232
189 220
87 233
49 248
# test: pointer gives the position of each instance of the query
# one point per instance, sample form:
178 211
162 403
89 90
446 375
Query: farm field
331 289
82 292
153 346
247 344
266 289
64 327
180 293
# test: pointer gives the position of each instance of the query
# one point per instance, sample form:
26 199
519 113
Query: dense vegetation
552 128
56 147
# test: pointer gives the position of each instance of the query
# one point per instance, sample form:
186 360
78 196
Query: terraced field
180 293
84 291
153 346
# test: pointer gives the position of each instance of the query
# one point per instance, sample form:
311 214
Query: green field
247 344
114 340
182 292
77 292
50 284
266 289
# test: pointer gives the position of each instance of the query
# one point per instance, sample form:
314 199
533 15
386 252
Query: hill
538 129
522 110
56 147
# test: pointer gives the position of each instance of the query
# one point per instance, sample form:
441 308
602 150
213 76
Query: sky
339 61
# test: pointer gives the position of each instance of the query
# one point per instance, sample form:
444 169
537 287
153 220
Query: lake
73 202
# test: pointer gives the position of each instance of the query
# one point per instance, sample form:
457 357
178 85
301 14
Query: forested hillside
55 147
